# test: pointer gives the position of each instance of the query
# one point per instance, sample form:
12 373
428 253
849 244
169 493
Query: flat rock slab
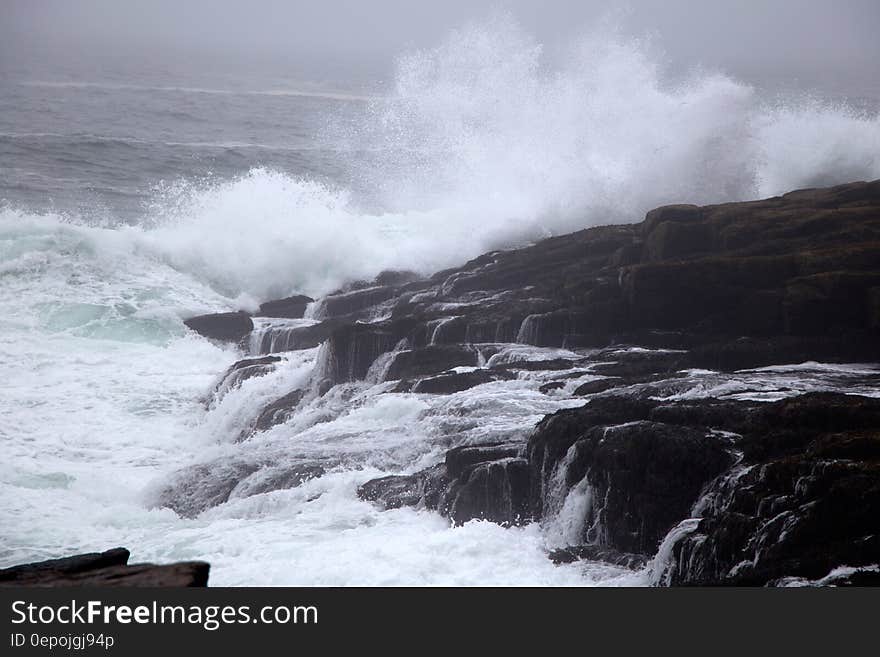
290 307
110 568
228 327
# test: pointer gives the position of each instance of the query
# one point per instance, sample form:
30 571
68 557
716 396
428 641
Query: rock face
228 327
110 568
202 486
352 303
277 412
205 485
489 482
789 489
433 359
445 384
241 371
285 338
642 476
715 488
291 307
803 500
395 491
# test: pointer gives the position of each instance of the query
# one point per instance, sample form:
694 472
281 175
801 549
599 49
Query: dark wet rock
67 566
425 487
640 363
595 553
484 326
783 519
736 285
721 288
460 459
353 348
291 338
110 568
679 214
804 500
351 303
242 370
633 437
403 279
549 365
199 487
494 490
874 308
276 412
291 307
678 239
724 415
185 574
394 491
556 433
274 478
414 363
446 384
643 476
750 352
597 386
759 267
403 386
708 293
248 363
397 277
546 329
488 482
869 576
549 387
228 327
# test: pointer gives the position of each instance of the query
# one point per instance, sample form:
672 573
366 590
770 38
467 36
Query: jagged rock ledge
742 492
707 491
110 568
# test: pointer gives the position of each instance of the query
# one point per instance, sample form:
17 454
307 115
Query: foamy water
483 142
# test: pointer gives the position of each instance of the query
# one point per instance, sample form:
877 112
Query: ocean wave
485 142
488 141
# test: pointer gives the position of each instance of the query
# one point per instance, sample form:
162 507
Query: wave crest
488 141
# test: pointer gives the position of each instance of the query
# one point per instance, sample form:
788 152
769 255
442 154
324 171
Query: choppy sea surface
129 201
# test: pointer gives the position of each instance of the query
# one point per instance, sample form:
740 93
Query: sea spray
486 141
489 141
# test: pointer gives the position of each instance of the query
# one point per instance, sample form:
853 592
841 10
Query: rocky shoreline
674 454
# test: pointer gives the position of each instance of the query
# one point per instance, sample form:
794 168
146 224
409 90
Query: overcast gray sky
737 35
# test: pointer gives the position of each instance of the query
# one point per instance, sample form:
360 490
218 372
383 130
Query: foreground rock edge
105 569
